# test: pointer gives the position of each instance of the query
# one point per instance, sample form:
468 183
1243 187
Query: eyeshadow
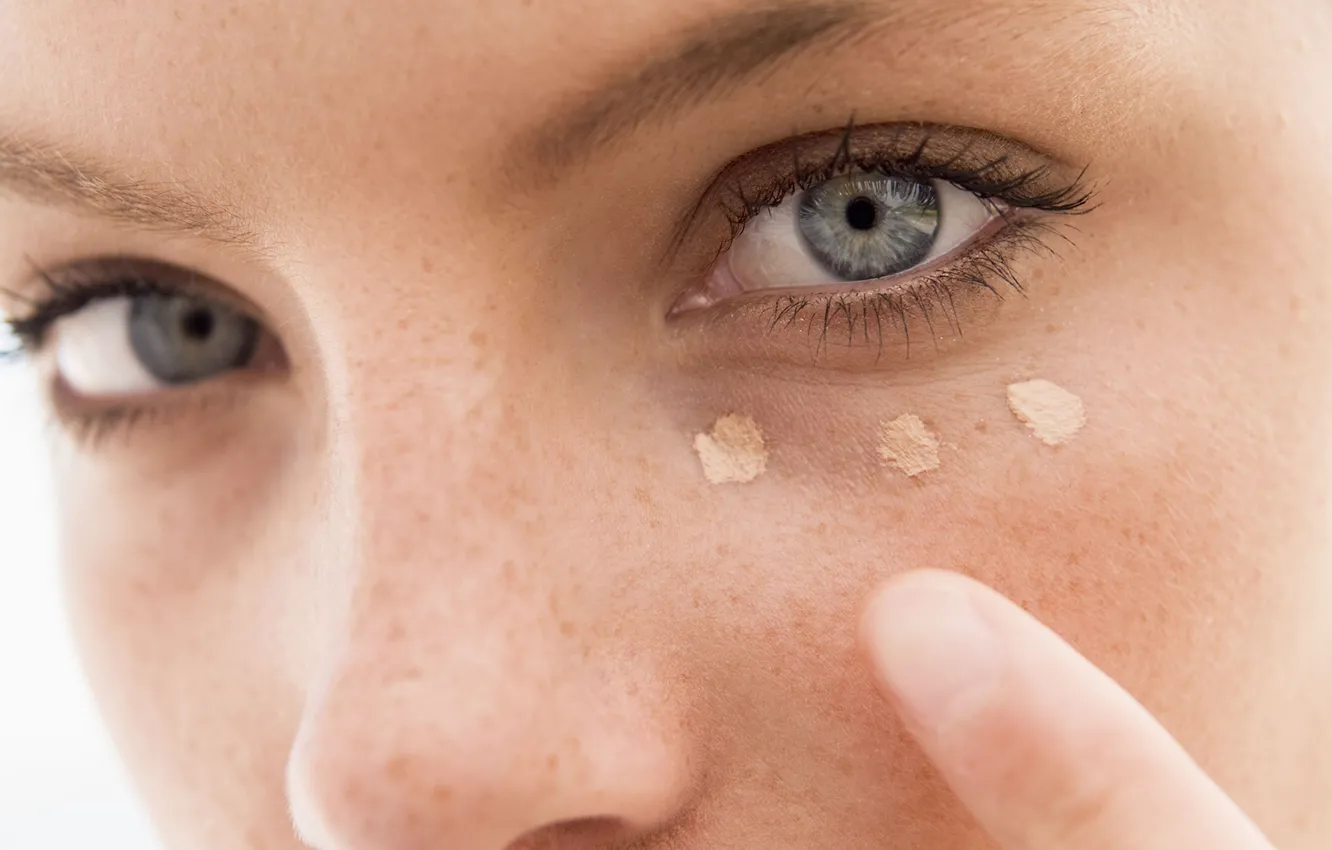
907 444
733 452
1053 414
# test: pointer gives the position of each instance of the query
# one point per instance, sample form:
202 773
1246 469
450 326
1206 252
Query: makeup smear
1052 413
908 445
733 452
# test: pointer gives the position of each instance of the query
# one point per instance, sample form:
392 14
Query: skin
452 576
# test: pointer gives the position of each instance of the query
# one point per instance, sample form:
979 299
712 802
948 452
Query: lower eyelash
862 316
95 429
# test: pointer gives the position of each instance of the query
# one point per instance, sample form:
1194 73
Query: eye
854 227
136 344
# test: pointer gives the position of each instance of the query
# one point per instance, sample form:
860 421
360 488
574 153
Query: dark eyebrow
43 173
708 59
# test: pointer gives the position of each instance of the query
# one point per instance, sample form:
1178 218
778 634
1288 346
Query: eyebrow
41 172
708 59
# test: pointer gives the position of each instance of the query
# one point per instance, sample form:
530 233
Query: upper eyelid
934 145
71 287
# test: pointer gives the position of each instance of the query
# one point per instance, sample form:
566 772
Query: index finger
1042 747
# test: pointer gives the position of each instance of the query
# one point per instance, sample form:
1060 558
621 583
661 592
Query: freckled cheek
1104 538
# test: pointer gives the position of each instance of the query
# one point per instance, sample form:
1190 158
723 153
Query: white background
61 787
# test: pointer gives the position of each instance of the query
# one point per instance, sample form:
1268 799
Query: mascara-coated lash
1028 191
983 163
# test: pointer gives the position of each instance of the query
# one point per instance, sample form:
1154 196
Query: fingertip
932 649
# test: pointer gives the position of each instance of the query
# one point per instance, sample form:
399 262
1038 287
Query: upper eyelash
989 179
64 299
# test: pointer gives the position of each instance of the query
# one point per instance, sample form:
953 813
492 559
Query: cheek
1173 540
184 600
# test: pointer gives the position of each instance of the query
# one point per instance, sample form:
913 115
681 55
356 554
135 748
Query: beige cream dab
907 444
733 452
1053 414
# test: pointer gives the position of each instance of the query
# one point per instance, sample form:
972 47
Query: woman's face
382 337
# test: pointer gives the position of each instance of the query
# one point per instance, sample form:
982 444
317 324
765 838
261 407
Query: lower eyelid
898 283
887 323
95 422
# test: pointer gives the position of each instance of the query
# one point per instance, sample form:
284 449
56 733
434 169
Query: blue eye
867 226
862 226
135 344
180 339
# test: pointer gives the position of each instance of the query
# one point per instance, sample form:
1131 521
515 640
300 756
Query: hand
1045 750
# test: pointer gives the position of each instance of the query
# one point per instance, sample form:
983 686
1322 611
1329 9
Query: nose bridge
463 706
426 452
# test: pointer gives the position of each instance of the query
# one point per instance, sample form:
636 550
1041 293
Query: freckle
397 767
567 628
478 338
427 266
1051 329
552 762
983 427
845 765
441 793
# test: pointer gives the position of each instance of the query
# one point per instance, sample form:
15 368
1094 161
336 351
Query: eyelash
67 298
1023 196
1021 190
987 266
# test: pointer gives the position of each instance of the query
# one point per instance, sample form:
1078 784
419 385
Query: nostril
578 834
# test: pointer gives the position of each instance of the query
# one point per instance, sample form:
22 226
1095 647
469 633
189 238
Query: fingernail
934 650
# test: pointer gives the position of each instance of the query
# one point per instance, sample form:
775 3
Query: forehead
242 97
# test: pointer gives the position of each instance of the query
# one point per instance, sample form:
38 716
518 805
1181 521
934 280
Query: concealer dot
733 452
908 445
1053 414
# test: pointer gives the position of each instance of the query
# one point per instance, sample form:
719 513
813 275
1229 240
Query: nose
480 693
481 746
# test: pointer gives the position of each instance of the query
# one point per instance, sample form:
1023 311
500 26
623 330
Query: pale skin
437 566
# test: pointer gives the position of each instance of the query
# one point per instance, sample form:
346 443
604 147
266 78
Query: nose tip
398 768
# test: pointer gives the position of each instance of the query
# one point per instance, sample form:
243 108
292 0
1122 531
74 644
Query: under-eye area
872 244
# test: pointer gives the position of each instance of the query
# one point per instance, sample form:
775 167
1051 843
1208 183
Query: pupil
197 324
861 214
